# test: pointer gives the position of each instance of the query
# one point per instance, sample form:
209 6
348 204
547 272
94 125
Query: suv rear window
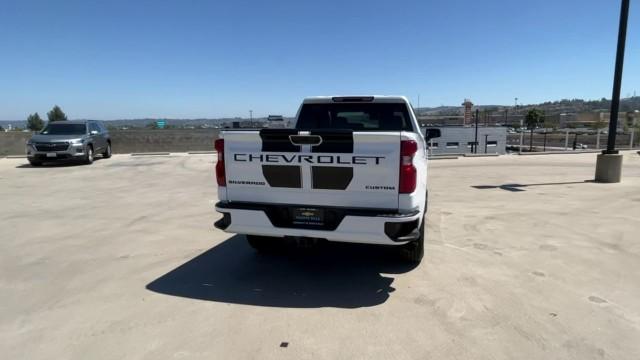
355 116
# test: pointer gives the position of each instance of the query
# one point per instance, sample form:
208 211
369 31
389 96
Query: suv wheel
88 157
263 244
107 153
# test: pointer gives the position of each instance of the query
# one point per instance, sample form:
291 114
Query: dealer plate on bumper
52 155
307 216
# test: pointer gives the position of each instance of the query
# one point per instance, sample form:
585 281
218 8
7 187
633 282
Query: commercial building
460 140
600 119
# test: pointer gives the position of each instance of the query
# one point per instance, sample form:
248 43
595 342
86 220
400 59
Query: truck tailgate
342 168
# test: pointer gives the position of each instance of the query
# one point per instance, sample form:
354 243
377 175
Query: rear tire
263 244
107 152
413 252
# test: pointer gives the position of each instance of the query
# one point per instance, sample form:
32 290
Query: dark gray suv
69 140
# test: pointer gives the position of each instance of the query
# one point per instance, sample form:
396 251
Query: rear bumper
381 227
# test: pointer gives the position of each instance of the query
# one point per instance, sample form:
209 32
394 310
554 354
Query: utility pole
609 163
486 136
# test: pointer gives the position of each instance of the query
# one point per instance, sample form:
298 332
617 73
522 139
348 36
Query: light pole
609 163
475 143
515 112
531 141
617 78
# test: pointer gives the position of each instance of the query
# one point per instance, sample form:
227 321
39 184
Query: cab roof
355 99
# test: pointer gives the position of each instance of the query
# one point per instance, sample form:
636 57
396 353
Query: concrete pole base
609 168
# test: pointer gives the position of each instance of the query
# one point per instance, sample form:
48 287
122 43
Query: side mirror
93 132
431 134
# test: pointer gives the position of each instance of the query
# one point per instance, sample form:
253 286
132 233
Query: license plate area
315 218
307 216
51 155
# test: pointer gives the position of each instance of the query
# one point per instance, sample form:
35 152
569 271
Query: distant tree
533 118
34 122
56 114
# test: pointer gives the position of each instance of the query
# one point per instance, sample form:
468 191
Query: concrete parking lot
525 259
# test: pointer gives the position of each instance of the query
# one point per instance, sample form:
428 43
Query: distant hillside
550 107
141 123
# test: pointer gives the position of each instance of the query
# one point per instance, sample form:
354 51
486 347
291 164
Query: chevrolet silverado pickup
352 169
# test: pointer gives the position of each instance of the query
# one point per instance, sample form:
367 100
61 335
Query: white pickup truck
353 169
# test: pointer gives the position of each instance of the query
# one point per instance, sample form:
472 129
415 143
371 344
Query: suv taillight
408 173
221 177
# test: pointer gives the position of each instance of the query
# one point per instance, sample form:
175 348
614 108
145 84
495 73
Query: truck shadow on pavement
519 187
329 275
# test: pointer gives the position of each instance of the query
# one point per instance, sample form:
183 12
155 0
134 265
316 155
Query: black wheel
414 251
107 153
263 244
35 163
88 157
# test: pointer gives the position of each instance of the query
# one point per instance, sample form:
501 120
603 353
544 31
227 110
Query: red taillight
408 172
221 177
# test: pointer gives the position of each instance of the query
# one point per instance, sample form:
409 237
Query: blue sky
191 58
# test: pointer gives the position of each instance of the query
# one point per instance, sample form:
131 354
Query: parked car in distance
69 140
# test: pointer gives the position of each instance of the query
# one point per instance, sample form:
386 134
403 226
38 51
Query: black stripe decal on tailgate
334 141
331 177
277 140
283 176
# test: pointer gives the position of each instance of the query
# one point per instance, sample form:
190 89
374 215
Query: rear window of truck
355 116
